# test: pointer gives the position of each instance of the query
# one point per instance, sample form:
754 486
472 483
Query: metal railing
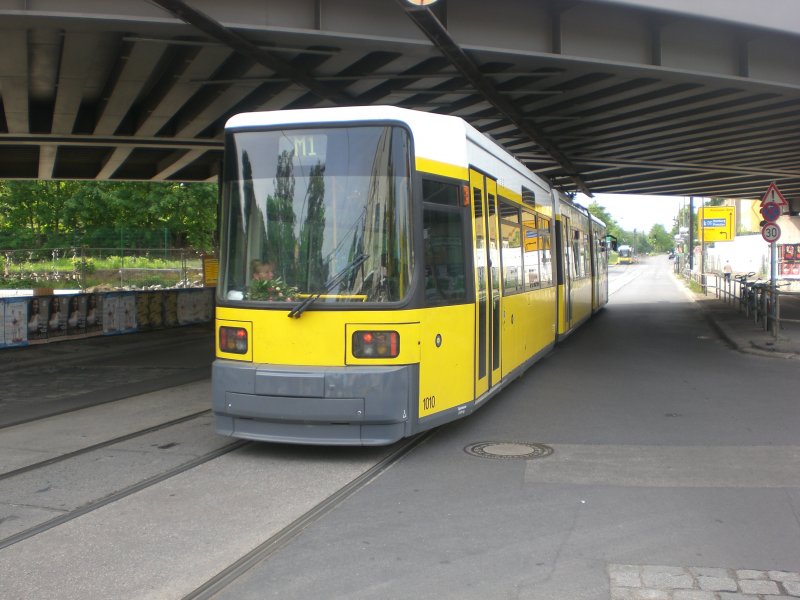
755 297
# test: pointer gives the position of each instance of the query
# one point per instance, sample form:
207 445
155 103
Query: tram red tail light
233 340
376 344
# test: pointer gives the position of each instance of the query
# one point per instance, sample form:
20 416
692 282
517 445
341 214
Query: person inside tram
263 270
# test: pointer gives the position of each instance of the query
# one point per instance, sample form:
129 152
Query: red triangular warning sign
774 195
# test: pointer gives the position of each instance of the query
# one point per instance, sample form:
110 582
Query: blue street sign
714 222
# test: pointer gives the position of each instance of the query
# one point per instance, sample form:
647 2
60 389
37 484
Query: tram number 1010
429 402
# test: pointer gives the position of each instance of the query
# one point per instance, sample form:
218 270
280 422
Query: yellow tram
625 254
385 271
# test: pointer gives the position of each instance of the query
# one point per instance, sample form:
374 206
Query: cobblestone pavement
649 582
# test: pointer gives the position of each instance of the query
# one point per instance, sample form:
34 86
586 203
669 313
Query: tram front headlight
376 344
233 340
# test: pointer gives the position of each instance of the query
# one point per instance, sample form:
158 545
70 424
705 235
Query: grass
694 286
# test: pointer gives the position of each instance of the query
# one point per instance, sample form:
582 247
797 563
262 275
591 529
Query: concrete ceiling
611 96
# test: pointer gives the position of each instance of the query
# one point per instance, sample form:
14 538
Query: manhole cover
509 450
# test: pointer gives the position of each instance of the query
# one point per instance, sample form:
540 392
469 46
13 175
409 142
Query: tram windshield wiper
333 282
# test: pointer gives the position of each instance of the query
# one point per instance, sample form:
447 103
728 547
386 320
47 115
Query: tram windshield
322 213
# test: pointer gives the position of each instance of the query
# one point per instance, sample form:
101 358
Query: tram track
120 494
104 444
270 546
622 279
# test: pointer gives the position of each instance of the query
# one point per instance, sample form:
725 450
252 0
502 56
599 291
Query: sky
638 212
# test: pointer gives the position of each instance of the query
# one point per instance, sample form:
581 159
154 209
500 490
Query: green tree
660 240
612 227
37 214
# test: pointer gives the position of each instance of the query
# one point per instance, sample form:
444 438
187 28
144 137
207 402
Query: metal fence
100 268
754 297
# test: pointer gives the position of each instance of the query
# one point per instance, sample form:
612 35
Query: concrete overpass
673 97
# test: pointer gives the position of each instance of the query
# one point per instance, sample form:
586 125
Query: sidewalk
741 332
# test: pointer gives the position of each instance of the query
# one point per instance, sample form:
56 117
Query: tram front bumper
357 405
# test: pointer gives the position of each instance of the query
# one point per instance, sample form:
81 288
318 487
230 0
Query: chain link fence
91 269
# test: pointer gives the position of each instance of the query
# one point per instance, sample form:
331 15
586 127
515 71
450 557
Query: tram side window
443 233
511 248
587 254
544 251
580 252
578 269
531 247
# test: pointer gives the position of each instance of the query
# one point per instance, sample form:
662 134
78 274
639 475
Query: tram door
568 266
487 281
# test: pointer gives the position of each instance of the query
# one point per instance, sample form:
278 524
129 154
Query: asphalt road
676 464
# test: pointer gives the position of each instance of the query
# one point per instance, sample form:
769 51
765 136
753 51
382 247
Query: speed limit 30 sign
771 232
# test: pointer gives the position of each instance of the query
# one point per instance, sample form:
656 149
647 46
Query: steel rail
105 444
123 493
267 548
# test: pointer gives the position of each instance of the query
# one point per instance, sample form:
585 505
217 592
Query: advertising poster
111 313
57 317
15 312
76 315
149 310
170 309
192 307
94 314
38 311
143 310
119 313
791 252
128 318
790 260
156 310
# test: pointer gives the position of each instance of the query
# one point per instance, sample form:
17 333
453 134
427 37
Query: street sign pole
703 253
772 204
773 287
773 267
